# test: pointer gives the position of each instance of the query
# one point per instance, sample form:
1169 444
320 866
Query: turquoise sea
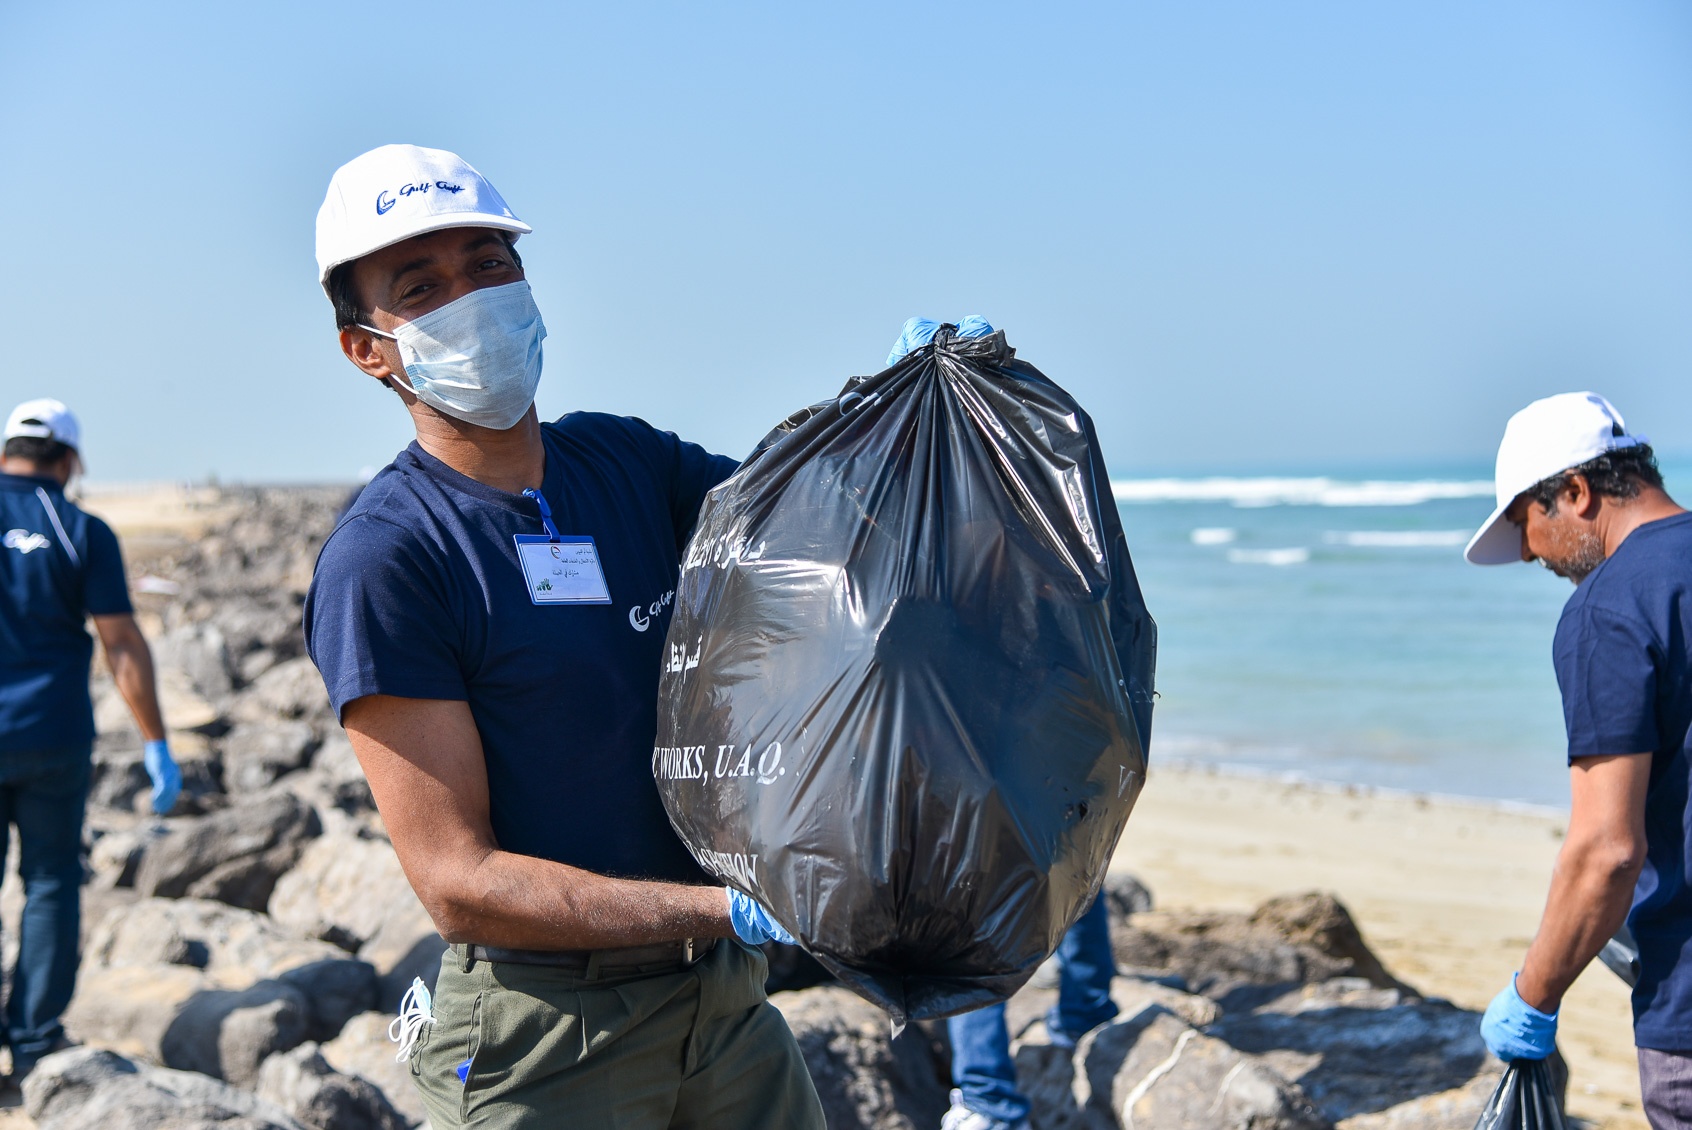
1328 628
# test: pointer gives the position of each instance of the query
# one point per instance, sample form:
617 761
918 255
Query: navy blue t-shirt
419 594
58 566
1624 665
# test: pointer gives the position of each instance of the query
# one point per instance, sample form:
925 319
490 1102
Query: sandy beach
148 514
1447 892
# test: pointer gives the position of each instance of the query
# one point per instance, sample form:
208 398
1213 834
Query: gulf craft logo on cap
366 207
385 202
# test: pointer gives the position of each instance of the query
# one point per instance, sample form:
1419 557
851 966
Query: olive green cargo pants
699 1048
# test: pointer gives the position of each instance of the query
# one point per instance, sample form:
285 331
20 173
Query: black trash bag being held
908 678
1526 1099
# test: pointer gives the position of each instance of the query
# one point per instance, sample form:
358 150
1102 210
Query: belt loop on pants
591 973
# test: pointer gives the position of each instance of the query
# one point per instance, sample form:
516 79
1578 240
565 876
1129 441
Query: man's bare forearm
521 902
132 671
423 758
1591 892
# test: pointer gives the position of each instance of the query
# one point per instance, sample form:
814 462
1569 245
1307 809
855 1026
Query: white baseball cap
395 192
1544 439
44 419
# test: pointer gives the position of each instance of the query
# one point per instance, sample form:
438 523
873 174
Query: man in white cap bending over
58 568
489 618
1582 496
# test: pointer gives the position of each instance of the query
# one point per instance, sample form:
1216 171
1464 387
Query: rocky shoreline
244 956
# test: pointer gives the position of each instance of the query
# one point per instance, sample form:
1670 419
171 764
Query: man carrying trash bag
1582 496
488 618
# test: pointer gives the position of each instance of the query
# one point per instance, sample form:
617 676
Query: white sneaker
960 1117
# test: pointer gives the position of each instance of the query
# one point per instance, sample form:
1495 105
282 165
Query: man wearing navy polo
59 568
488 619
1582 495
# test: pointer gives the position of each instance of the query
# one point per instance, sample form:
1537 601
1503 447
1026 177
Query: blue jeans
43 793
981 1061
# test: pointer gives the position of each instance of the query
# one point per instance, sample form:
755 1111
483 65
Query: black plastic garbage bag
1621 955
1526 1099
908 678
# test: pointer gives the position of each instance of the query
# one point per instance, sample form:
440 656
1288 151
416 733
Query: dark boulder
303 1083
95 1089
235 855
867 1080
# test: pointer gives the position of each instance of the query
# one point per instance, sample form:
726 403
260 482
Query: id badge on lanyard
560 569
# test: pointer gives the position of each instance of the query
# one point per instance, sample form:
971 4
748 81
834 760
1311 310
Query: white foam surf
1298 492
1397 539
1291 555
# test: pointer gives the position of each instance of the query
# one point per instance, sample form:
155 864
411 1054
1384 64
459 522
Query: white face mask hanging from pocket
478 358
416 1012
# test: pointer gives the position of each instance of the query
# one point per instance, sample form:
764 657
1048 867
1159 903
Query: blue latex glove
753 924
167 778
918 332
1514 1029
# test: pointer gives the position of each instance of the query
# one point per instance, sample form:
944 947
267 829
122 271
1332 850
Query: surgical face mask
478 358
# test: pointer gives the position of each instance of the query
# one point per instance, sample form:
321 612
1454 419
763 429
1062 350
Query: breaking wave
1292 555
1298 492
1397 539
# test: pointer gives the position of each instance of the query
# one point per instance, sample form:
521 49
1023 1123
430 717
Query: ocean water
1329 629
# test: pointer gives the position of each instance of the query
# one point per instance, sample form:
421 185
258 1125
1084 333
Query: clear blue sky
1244 235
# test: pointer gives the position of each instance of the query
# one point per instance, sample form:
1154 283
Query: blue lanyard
546 513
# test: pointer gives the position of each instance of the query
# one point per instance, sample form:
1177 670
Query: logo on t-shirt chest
25 542
641 616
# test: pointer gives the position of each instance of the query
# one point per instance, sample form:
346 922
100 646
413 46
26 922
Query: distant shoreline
165 489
